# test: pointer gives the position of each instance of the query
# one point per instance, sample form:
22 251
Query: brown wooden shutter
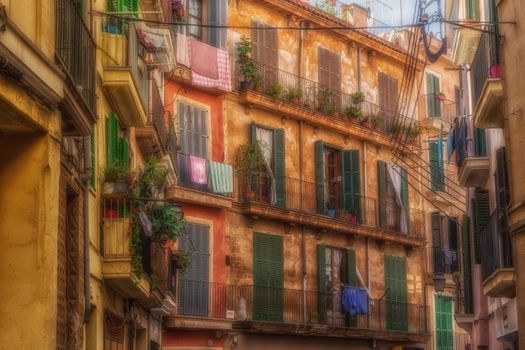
387 94
323 67
502 183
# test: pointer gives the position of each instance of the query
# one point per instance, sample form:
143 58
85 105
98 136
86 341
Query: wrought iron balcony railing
496 246
443 260
184 172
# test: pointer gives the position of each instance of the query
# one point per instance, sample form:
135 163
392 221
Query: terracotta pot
111 213
294 101
249 196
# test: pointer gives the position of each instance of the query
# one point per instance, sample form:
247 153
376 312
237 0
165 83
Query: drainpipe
359 69
86 176
301 178
365 192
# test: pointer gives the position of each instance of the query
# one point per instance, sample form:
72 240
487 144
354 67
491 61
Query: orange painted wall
196 338
173 89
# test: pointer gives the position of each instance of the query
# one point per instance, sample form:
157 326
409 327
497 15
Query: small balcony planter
182 259
116 179
440 97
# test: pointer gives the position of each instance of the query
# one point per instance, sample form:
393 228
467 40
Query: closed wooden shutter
396 297
217 13
502 182
351 274
329 74
433 89
437 173
128 6
267 277
322 282
480 142
351 181
452 234
320 182
404 188
467 265
435 218
481 217
93 150
193 130
265 51
194 281
381 176
112 139
124 152
444 330
279 166
388 94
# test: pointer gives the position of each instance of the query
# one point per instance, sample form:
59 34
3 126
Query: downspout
359 69
86 177
365 192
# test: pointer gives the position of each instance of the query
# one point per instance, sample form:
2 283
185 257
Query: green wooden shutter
436 168
467 265
322 282
381 176
396 298
481 217
112 139
437 258
124 6
437 91
351 274
480 142
319 176
444 330
404 187
267 277
279 166
253 132
472 9
124 152
351 182
93 150
431 96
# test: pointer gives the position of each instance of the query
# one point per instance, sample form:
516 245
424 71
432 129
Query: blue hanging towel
440 145
355 301
450 143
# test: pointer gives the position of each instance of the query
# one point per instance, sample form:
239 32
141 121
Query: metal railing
443 260
157 115
185 179
304 93
496 247
463 294
439 108
172 144
487 56
293 306
122 50
76 50
445 181
303 196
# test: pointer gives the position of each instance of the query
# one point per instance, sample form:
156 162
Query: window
329 72
481 208
433 91
472 9
193 130
480 142
444 329
393 206
396 296
264 52
437 168
338 179
114 327
195 17
388 94
444 243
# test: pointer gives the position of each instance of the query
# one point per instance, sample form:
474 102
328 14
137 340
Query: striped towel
221 177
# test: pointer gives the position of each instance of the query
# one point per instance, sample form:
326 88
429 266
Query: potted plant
357 98
166 224
324 100
364 121
116 177
275 90
330 209
248 69
414 131
248 162
375 119
440 96
151 180
294 95
396 128
353 112
182 259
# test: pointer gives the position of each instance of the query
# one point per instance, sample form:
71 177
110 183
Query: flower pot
111 213
246 85
294 101
330 212
249 195
365 124
117 187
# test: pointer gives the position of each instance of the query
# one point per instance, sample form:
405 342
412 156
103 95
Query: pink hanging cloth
198 173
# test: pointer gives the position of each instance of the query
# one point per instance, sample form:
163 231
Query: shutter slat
93 150
351 181
322 282
481 217
381 176
320 176
351 278
279 166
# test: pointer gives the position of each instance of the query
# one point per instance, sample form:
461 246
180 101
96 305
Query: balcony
287 94
219 177
465 44
367 217
153 139
487 85
248 308
125 76
75 52
445 188
474 171
443 260
496 257
119 266
464 304
438 111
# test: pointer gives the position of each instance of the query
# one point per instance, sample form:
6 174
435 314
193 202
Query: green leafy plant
248 66
166 224
375 119
182 259
249 158
357 97
363 119
325 101
151 180
294 94
116 172
414 131
353 112
275 90
396 128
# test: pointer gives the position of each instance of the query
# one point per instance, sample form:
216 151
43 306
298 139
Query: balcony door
267 277
443 317
444 244
388 95
393 197
264 51
396 293
194 281
329 94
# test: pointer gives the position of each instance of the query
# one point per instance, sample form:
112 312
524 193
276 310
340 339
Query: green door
396 296
444 333
267 277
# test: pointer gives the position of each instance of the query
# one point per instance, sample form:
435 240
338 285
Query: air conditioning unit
506 320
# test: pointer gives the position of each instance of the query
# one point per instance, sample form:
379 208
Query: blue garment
355 301
440 145
461 142
450 143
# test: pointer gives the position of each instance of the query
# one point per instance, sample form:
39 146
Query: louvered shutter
381 176
467 265
257 42
404 188
396 298
382 86
279 166
323 67
444 330
431 97
217 13
436 168
320 176
481 217
93 150
124 157
351 181
435 81
502 183
322 282
480 142
387 94
351 279
437 256
112 139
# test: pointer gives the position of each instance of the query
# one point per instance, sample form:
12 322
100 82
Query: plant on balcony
357 97
249 161
248 69
396 128
294 95
353 112
325 103
116 178
375 120
414 131
275 90
151 180
166 224
182 259
364 121
330 209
